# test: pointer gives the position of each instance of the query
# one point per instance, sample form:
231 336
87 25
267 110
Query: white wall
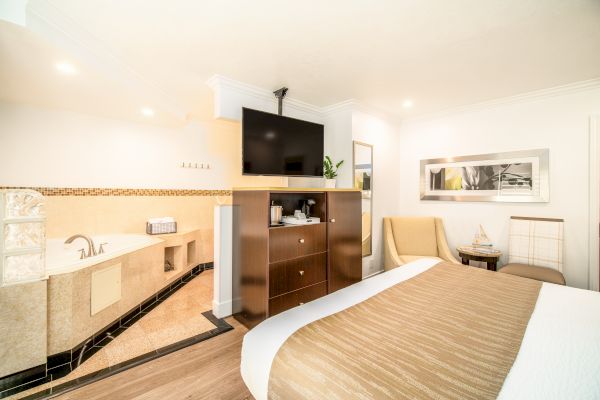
384 136
559 123
45 147
338 144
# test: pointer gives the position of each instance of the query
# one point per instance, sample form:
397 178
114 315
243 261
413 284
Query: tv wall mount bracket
280 94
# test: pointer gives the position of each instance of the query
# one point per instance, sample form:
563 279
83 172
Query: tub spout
91 248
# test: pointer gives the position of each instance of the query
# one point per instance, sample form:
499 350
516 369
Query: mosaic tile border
55 191
61 364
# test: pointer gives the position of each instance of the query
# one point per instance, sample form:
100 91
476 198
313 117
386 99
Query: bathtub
63 258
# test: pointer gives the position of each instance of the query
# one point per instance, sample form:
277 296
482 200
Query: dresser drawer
286 276
289 300
290 242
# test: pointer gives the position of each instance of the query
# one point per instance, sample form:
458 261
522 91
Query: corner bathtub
63 258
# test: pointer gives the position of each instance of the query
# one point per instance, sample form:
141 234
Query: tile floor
177 318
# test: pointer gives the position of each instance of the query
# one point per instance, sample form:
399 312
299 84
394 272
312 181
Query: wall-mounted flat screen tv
277 145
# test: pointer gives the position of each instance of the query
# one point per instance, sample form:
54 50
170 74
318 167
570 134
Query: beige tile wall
67 215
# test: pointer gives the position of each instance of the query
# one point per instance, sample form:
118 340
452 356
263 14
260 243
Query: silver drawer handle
301 273
301 240
332 220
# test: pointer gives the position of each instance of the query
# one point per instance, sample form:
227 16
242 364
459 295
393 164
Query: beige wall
93 215
67 149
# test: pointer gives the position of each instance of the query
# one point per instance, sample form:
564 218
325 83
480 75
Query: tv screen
277 145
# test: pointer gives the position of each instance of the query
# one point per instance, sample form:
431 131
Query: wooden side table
470 253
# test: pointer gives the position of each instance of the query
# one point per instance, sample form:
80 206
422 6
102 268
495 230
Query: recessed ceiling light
407 104
66 68
147 112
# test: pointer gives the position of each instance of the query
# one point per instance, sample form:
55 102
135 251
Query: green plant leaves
329 170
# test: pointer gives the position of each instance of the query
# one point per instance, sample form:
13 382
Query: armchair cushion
543 274
405 259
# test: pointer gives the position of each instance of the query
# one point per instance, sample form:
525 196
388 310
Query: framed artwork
518 176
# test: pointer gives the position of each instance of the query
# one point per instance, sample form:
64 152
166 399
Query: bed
556 344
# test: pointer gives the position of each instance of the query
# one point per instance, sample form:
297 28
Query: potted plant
330 171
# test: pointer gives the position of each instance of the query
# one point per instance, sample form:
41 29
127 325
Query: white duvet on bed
559 356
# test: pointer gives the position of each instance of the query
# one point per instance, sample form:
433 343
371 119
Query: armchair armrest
391 257
443 249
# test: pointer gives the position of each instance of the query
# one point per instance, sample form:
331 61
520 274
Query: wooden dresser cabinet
276 268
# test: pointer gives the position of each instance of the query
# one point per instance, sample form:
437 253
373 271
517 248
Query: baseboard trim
21 379
222 309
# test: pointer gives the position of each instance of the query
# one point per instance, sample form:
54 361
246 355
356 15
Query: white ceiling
439 53
28 75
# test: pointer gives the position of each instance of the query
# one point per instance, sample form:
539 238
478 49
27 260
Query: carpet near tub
181 320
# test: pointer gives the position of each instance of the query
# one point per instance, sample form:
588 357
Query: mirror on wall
362 166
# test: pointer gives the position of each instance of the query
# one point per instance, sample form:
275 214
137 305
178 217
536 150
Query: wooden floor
207 370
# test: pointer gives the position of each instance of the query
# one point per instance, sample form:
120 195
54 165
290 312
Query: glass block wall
22 236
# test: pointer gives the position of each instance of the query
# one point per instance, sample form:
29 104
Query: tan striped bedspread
452 332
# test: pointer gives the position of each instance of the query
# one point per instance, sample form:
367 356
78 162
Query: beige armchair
410 238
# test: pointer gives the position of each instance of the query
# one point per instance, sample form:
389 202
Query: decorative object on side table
518 176
477 253
481 239
330 171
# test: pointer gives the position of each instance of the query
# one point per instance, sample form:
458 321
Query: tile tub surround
69 295
60 365
57 363
22 328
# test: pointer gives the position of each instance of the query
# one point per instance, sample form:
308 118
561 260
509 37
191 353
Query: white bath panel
106 288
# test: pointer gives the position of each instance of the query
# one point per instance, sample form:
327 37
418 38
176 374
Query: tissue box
159 226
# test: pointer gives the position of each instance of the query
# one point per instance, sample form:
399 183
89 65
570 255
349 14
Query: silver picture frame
514 177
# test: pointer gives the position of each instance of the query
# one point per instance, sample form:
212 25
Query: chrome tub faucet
91 247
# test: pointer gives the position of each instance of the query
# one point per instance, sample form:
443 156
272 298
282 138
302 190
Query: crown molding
535 95
217 82
242 94
346 105
45 19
